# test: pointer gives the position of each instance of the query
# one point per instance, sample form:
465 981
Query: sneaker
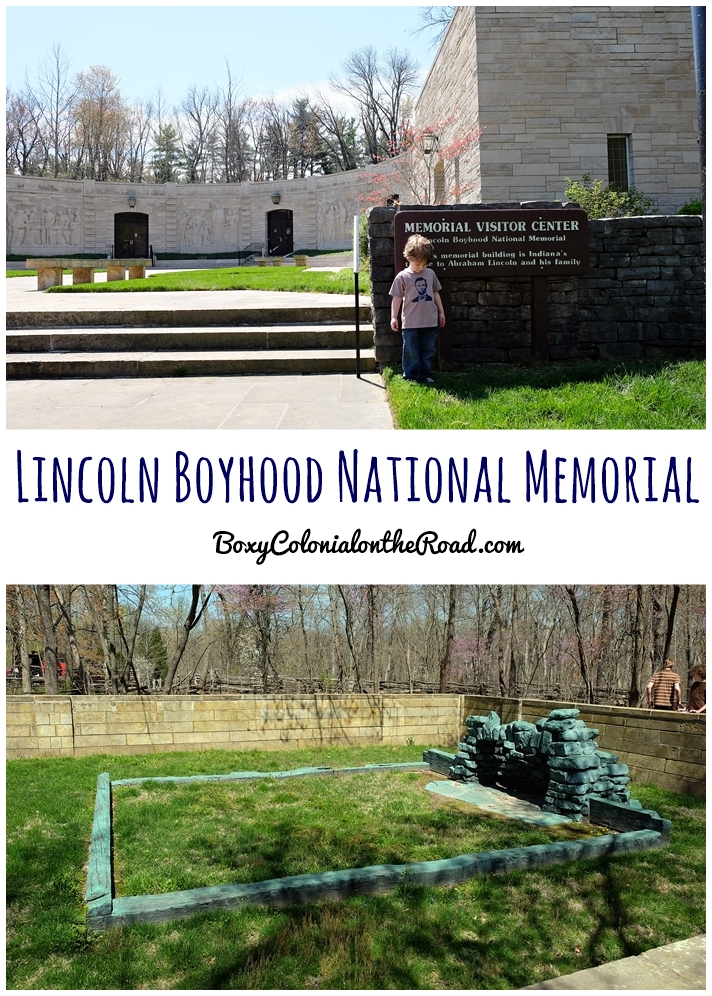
427 380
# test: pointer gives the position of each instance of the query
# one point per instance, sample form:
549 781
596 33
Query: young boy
417 289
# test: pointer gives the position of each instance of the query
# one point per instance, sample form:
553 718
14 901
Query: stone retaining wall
42 725
644 296
667 749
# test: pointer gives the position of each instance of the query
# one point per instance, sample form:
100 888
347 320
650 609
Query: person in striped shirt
663 689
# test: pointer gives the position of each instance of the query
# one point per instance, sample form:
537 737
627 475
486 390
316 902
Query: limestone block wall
75 216
665 749
547 85
644 295
38 726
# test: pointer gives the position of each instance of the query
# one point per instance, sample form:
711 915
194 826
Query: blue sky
271 49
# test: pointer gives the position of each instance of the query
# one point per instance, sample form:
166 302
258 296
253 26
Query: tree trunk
25 670
130 643
50 638
338 659
449 637
64 598
657 594
191 621
583 664
671 620
513 644
372 614
348 626
639 633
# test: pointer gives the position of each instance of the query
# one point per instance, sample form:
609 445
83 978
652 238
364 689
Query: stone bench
49 269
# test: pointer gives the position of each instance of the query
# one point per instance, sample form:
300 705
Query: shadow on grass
416 939
484 380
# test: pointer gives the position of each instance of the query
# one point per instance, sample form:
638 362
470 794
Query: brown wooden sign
499 243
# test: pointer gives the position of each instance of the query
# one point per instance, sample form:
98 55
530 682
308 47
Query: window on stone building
618 162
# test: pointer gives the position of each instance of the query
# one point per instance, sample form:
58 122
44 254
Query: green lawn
584 395
499 932
279 278
170 837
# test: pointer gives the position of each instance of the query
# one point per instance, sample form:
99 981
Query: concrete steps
194 363
270 337
172 318
191 342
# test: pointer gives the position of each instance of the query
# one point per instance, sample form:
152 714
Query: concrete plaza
293 399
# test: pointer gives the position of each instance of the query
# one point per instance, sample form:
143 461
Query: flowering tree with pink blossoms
425 170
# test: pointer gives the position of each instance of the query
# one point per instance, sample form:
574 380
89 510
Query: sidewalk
675 966
21 294
301 401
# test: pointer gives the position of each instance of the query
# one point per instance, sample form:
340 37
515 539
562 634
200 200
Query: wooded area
66 124
587 643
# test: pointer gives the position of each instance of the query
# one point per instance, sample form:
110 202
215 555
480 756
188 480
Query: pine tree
166 155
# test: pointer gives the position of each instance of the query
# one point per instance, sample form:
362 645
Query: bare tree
191 621
55 93
435 20
23 646
638 647
338 133
539 640
449 636
671 620
232 142
349 628
64 600
199 112
51 658
139 131
381 86
101 125
580 646
24 148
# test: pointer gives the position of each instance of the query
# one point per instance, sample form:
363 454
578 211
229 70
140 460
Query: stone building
555 92
563 91
47 216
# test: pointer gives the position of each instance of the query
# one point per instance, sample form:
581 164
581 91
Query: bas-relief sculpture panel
46 226
212 226
333 222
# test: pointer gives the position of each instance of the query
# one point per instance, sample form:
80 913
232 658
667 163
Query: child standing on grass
417 289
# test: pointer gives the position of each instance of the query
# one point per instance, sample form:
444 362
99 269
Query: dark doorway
280 238
130 235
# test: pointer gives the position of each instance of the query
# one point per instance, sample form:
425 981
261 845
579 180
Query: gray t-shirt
417 291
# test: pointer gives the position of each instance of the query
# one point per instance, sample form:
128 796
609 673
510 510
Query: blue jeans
418 351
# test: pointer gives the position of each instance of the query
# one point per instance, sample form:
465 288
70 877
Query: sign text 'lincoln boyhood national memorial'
499 243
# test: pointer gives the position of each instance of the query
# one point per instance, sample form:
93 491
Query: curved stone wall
45 216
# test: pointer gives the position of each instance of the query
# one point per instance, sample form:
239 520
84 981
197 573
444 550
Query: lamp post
357 266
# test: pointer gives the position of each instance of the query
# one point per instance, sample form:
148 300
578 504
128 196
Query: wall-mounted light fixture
430 142
276 197
132 201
